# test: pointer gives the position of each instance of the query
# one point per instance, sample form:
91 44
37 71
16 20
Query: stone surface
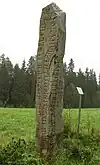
49 88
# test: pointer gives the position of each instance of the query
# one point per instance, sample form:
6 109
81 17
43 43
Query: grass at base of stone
20 124
84 150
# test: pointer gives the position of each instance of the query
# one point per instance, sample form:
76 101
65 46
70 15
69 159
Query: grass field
20 123
17 123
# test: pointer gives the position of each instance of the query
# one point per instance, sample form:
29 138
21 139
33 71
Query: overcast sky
19 30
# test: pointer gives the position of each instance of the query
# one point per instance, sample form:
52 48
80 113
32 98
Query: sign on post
80 92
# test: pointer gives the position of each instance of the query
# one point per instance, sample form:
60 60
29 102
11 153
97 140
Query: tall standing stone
49 88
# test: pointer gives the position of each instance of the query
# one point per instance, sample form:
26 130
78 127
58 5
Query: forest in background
18 84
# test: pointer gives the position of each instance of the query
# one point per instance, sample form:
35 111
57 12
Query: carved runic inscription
49 88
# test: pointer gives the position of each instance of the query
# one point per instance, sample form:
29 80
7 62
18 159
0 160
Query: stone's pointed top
52 11
52 6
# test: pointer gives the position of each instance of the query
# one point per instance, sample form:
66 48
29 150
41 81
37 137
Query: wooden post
79 114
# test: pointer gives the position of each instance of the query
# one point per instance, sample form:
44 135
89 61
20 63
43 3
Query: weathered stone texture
49 89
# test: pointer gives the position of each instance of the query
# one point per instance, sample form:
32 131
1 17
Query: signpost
80 92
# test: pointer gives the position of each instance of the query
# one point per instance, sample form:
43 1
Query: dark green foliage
71 65
87 81
18 85
19 153
19 90
6 72
31 80
75 150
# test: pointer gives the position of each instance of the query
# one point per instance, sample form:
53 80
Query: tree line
18 84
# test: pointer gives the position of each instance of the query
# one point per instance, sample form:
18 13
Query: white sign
80 91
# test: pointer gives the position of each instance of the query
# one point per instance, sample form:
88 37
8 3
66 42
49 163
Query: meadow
20 124
16 123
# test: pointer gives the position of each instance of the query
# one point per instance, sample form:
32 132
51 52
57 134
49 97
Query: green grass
90 118
20 124
17 123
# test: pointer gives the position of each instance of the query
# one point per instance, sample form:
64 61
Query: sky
19 30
